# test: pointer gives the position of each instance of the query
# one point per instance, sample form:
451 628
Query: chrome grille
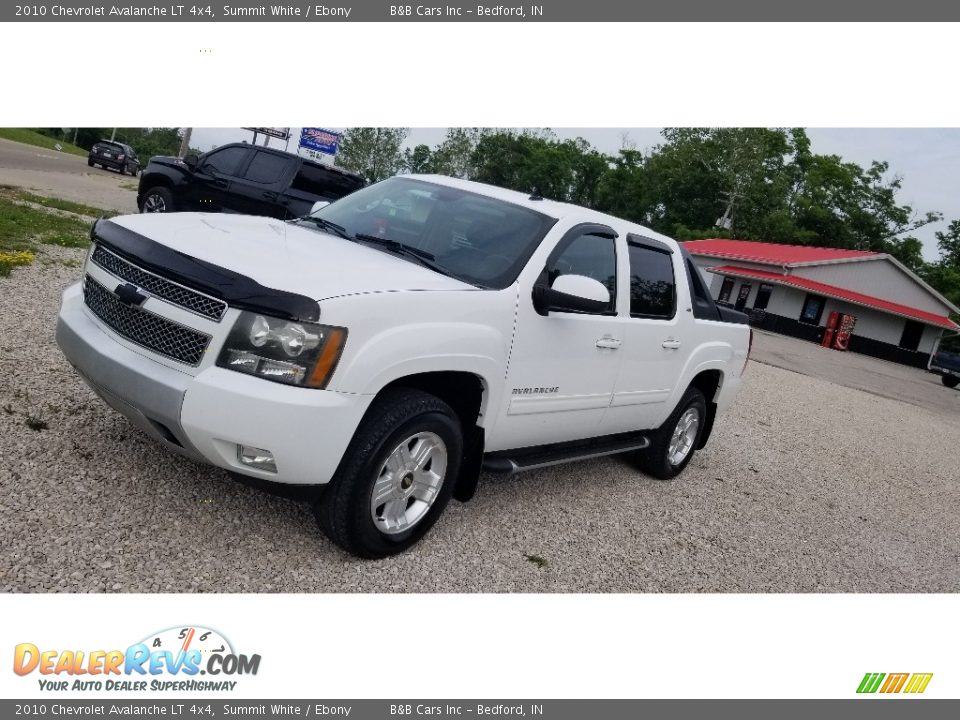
161 287
144 328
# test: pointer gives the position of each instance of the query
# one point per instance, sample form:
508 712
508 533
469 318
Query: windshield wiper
327 225
427 259
397 246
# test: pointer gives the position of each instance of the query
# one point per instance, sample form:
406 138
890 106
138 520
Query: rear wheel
157 200
673 445
89 162
951 381
396 476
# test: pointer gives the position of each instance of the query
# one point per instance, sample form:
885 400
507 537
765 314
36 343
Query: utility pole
185 142
75 131
113 135
726 222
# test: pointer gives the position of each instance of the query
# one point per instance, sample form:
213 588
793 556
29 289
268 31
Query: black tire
951 381
89 162
655 459
343 510
161 195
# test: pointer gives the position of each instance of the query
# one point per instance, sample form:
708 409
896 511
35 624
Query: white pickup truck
392 345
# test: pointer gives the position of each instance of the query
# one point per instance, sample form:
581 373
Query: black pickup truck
947 366
241 178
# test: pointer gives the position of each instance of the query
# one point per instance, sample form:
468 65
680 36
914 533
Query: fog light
256 458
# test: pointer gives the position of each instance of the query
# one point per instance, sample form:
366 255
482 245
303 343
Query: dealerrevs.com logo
172 659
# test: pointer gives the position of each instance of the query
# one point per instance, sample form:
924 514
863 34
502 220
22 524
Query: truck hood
168 160
287 257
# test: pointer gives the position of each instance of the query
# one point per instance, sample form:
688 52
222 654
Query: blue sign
319 140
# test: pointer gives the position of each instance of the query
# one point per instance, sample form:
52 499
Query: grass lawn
31 137
24 226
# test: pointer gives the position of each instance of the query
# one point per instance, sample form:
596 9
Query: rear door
657 338
258 189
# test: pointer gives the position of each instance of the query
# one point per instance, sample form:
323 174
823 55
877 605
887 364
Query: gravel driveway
805 487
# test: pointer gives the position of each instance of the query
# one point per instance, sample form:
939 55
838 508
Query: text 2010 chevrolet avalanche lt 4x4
394 343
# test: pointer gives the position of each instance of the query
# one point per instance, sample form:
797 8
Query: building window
912 332
726 290
812 310
763 297
742 296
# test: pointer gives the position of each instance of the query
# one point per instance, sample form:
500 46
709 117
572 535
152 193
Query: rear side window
225 161
653 292
325 183
592 255
266 168
703 307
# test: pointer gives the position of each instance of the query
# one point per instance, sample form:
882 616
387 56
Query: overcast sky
928 160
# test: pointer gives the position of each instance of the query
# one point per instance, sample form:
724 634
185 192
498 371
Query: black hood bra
237 290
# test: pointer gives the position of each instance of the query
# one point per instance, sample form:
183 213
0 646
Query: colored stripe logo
913 683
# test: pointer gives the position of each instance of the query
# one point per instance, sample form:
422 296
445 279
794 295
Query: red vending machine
845 325
831 329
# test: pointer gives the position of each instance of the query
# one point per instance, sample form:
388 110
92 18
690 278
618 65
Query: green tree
418 159
568 170
949 244
373 152
454 156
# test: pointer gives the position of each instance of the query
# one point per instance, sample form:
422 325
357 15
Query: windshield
471 237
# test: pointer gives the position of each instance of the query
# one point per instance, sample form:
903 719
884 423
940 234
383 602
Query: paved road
861 372
66 176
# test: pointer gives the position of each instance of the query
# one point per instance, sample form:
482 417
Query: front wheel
157 200
396 476
951 381
673 445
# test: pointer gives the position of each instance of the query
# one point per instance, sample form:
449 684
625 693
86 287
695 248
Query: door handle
670 344
611 343
270 195
220 182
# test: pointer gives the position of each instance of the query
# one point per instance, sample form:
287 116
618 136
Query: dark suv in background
110 154
242 178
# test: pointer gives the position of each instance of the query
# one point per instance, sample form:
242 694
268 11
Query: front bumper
206 416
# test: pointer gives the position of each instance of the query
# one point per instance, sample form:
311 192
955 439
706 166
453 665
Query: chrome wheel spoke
422 453
395 513
425 489
384 489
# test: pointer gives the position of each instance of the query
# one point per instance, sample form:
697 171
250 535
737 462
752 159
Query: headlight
293 353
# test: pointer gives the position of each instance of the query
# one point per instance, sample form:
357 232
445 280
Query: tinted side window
652 286
266 168
592 255
318 181
225 161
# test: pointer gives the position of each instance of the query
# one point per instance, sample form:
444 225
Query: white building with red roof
795 289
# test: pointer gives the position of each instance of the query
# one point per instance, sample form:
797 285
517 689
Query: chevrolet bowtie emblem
129 295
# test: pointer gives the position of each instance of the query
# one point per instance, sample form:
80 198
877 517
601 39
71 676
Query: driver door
208 191
564 365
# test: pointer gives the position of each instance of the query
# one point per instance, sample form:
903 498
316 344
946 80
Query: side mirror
571 293
318 205
191 161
